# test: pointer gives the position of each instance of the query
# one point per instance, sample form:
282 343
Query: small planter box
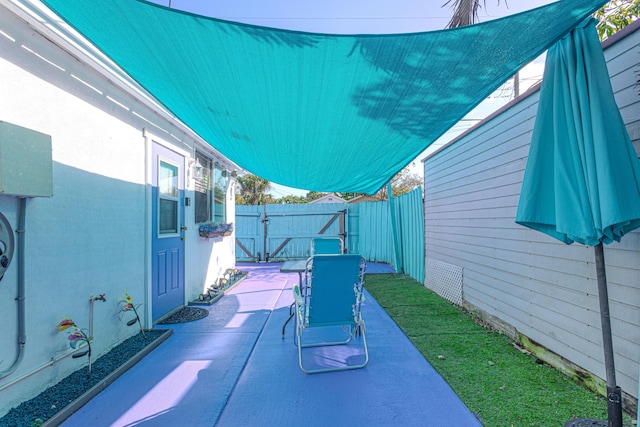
208 234
215 229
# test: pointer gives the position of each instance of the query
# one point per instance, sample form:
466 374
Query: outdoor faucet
91 301
98 298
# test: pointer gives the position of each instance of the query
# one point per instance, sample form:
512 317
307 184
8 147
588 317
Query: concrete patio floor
233 368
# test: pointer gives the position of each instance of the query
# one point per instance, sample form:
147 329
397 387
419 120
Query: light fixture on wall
197 170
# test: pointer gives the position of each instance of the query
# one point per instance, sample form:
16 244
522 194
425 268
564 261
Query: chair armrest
297 295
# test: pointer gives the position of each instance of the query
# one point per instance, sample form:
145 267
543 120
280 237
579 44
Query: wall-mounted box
26 162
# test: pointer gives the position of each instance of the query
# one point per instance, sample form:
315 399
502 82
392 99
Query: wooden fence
277 232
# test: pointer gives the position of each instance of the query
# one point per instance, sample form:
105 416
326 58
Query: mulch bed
186 314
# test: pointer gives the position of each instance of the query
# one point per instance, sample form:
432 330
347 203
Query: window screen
220 192
203 190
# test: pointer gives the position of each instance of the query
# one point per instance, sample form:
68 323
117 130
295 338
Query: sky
368 17
345 16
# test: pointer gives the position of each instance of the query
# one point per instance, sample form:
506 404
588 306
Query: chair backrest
333 282
326 246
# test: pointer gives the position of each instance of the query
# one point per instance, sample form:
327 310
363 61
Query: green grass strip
500 384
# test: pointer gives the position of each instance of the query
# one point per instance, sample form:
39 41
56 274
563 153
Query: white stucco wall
91 237
207 259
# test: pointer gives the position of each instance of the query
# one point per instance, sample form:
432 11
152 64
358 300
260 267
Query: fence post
265 220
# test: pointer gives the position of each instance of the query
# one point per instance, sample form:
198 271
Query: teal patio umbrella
582 179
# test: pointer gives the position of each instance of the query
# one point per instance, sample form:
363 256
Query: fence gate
284 232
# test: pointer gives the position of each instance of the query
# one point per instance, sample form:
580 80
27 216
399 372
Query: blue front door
167 246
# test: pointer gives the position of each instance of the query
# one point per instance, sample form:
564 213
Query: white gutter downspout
22 339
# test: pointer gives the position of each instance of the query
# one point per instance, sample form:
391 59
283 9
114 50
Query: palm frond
465 12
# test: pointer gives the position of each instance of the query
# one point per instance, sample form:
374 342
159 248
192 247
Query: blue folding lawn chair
319 246
332 297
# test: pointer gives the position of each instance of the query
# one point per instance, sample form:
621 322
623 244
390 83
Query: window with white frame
203 190
210 191
168 198
220 194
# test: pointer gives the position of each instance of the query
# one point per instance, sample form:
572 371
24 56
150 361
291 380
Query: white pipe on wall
22 339
51 362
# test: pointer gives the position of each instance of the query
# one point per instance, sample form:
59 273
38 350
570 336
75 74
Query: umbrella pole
614 394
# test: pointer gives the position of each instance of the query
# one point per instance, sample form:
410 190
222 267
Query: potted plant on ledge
215 229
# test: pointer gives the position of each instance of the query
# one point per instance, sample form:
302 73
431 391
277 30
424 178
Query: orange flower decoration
66 324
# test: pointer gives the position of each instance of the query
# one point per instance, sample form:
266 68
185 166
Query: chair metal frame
340 297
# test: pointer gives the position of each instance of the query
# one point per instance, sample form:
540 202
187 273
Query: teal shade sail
582 179
316 111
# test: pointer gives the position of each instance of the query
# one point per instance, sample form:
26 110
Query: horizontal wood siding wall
545 289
